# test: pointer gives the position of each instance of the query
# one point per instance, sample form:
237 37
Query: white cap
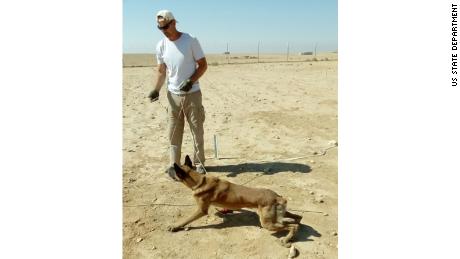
165 14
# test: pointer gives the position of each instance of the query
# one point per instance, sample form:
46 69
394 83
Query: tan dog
209 190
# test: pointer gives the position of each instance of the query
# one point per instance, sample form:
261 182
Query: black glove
186 85
154 95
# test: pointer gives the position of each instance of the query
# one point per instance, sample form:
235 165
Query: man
181 59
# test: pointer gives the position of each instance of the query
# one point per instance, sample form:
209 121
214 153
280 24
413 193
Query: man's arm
202 66
161 76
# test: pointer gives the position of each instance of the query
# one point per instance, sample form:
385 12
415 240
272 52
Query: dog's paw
174 228
282 241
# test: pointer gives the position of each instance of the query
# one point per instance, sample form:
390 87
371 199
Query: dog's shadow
303 234
265 168
245 218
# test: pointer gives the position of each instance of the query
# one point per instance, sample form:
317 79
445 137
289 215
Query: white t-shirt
180 58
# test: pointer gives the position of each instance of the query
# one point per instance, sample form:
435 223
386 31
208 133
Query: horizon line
221 53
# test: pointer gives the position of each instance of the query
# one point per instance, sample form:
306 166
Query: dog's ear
188 161
179 172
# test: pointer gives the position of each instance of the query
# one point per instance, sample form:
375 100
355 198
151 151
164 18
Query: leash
182 110
191 205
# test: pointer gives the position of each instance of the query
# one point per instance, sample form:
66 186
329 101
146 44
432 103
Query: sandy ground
276 124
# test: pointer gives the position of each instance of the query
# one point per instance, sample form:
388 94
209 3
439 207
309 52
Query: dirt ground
276 126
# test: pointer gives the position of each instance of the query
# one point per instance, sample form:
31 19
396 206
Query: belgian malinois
209 190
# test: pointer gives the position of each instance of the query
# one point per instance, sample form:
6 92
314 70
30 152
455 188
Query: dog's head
186 174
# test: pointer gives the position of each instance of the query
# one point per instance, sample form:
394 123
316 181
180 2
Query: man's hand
186 85
154 95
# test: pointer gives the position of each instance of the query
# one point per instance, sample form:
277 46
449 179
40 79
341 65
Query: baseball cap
167 15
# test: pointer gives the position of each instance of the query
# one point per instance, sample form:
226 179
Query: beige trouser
191 106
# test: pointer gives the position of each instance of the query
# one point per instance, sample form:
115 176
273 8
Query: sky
241 24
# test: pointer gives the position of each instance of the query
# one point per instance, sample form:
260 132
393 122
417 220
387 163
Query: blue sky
240 23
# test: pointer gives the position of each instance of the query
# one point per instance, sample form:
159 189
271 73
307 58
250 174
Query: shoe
172 173
200 169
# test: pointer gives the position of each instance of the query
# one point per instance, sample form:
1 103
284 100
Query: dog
209 190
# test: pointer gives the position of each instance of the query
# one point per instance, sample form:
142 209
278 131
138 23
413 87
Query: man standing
181 59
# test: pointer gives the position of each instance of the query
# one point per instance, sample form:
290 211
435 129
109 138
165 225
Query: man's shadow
243 218
265 168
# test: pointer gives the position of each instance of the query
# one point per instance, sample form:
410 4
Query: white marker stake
216 153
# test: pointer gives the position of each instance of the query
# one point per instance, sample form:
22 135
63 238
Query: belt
182 95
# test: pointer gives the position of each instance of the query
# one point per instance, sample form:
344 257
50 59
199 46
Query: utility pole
228 54
287 53
258 49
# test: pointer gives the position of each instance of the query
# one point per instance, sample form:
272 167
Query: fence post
258 51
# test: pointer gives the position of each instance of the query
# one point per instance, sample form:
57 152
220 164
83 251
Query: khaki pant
191 106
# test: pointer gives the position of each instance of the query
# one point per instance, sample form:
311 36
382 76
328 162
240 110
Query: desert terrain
276 126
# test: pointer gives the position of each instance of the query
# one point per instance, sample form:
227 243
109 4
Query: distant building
306 53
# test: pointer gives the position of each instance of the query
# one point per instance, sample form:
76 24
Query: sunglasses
164 27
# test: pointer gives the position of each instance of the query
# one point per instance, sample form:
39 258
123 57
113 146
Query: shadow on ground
245 218
304 233
266 168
